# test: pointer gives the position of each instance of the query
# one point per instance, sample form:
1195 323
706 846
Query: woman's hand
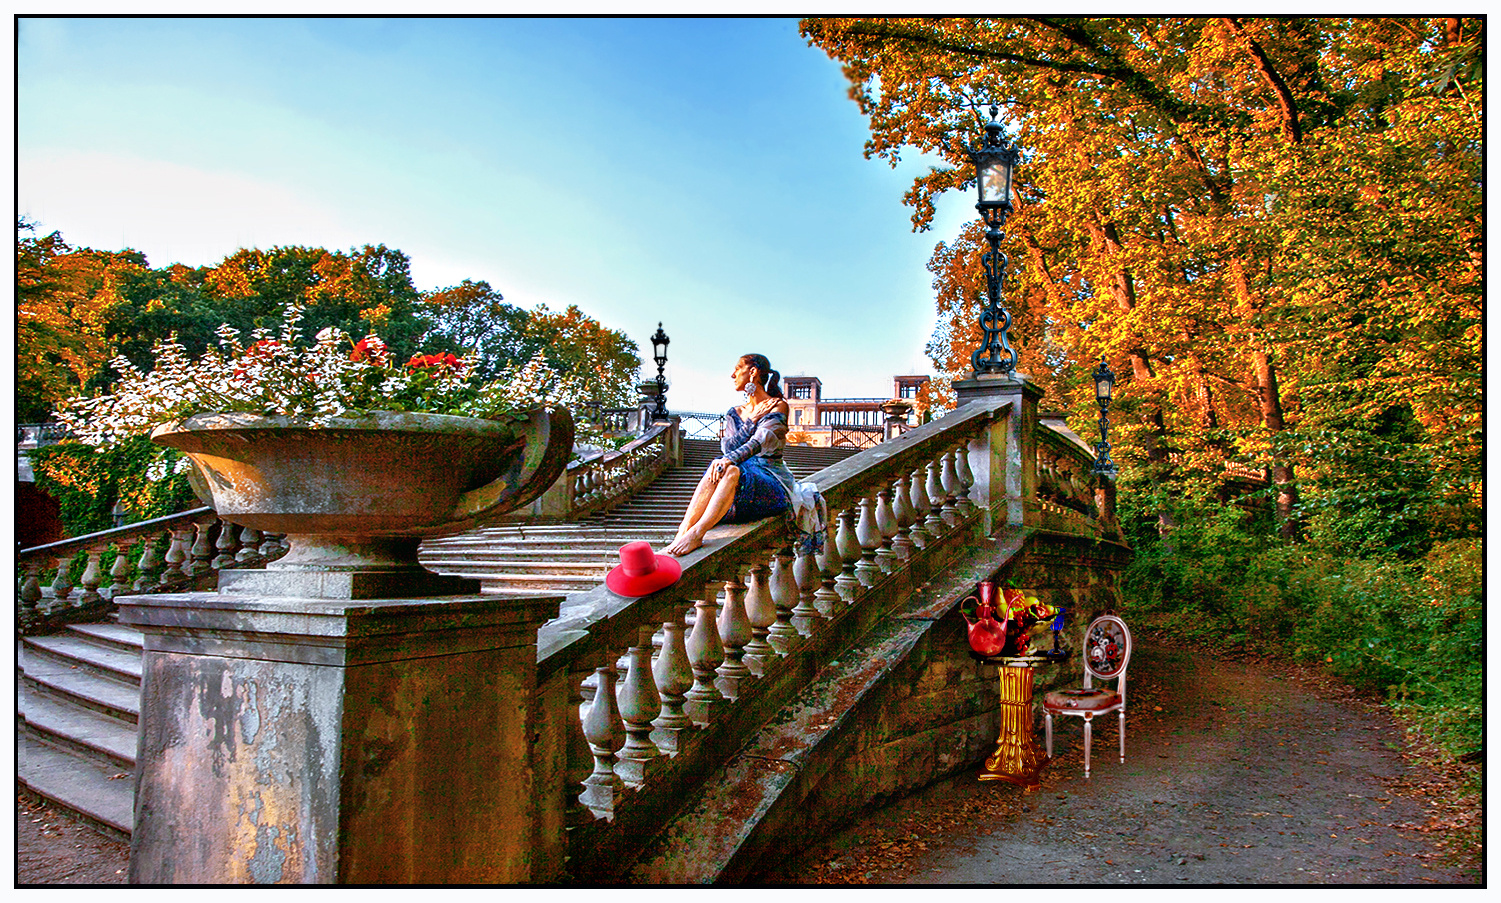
762 409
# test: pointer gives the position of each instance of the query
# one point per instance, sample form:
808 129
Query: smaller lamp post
1104 381
659 354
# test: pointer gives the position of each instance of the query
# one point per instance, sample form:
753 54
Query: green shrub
86 481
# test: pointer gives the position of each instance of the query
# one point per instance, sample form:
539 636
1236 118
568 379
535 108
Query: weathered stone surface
307 741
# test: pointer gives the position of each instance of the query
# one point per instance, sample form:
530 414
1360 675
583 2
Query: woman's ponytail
773 385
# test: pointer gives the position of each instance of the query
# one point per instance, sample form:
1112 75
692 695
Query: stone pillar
1005 471
322 741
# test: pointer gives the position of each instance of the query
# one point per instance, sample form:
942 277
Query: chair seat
1079 699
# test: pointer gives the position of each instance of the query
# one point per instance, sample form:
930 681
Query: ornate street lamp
994 162
1104 381
659 354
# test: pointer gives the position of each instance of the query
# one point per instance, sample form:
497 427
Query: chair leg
1086 745
1123 736
1047 731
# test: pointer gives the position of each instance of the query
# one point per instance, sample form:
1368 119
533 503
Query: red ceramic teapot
987 636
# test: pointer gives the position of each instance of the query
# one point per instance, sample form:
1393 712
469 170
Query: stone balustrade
660 689
606 480
165 554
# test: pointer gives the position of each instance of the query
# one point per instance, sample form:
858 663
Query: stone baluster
175 573
918 499
203 551
735 633
90 579
226 545
579 759
830 565
274 546
951 515
934 523
706 653
966 480
886 522
761 610
61 584
783 636
848 583
901 505
674 677
806 616
867 569
606 735
119 572
149 568
886 525
639 704
30 593
250 547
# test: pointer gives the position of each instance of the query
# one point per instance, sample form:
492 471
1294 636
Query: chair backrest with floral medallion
1107 649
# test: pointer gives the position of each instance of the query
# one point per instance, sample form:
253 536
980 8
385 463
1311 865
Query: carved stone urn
356 497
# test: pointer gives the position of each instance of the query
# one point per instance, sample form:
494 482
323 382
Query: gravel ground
1236 772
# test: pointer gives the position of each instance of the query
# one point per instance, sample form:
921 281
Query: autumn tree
1164 205
472 316
66 298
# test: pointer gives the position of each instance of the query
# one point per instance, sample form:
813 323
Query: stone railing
605 480
740 632
178 552
1065 481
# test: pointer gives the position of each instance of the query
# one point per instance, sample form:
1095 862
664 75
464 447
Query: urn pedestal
346 716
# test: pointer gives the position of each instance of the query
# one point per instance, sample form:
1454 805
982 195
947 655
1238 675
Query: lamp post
994 163
659 354
1104 381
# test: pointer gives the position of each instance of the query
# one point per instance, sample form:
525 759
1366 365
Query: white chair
1107 651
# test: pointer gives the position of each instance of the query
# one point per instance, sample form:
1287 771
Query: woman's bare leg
718 504
701 495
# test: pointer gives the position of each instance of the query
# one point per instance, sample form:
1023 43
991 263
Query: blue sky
705 173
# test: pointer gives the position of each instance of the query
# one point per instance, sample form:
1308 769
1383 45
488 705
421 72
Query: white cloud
170 212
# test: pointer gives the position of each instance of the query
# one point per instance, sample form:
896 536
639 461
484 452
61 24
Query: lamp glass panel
1102 389
995 183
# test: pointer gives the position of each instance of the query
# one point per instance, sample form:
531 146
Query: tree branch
1290 125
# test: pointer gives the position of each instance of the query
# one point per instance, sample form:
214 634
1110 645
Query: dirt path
1235 773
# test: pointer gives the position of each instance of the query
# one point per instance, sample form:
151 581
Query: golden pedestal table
1017 758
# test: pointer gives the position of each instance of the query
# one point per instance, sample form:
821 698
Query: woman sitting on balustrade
748 481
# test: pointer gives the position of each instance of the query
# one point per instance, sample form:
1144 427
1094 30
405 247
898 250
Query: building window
797 416
909 391
803 391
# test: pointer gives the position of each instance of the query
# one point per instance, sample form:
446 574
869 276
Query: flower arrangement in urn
275 373
352 454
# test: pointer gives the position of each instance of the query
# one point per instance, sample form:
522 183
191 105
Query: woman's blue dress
756 448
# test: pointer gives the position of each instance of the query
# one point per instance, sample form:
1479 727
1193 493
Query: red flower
368 348
423 361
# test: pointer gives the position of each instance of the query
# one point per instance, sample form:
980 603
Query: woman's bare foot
684 543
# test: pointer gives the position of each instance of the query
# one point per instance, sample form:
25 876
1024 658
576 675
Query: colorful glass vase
987 635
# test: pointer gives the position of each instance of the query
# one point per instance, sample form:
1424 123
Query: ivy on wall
86 481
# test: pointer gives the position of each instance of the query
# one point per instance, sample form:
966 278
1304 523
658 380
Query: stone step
110 634
503 564
78 651
101 795
83 688
83 732
511 583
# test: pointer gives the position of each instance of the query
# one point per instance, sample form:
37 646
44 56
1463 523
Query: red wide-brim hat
640 572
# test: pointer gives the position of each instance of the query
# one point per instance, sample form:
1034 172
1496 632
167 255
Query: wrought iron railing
701 426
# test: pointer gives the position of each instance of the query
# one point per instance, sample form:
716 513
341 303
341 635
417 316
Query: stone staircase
79 690
575 557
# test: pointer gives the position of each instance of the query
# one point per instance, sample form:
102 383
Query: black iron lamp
1104 382
995 162
659 354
